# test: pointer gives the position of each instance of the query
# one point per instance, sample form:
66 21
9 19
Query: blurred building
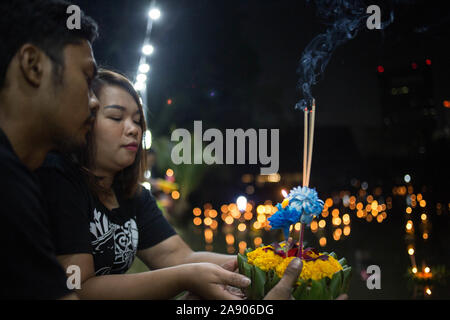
408 107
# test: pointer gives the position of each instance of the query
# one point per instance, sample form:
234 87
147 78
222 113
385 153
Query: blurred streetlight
140 86
144 68
141 77
148 49
241 203
147 139
154 14
147 185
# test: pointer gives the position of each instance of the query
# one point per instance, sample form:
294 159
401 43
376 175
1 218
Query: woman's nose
132 128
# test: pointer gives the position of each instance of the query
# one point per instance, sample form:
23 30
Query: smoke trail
345 19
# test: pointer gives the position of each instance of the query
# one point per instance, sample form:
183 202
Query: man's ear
31 61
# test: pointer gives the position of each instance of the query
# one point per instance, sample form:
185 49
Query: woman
101 218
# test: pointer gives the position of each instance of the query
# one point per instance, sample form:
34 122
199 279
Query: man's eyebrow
114 106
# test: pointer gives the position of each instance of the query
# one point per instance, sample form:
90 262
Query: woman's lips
131 147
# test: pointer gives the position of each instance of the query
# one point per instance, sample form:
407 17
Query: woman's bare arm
204 279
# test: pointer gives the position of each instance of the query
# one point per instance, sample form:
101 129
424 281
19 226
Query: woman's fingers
230 265
237 280
223 294
212 281
232 279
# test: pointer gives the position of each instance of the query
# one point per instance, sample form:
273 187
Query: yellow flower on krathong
267 260
328 268
264 259
282 266
318 269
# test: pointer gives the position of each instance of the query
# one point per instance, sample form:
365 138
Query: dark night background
246 53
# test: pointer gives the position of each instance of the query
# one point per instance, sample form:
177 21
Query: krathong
323 275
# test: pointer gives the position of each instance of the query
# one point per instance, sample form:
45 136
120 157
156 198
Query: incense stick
307 158
305 183
305 149
311 140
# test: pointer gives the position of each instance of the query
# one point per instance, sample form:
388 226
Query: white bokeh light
148 49
147 185
144 68
139 86
154 14
147 139
141 77
241 203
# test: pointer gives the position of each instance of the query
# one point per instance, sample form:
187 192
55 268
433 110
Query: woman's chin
125 163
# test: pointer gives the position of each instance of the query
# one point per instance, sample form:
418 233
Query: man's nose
94 104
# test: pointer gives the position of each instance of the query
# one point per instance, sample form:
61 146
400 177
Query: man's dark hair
42 23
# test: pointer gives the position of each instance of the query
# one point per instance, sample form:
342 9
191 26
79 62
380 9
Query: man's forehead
82 52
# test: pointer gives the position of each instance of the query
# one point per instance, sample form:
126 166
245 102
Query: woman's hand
210 281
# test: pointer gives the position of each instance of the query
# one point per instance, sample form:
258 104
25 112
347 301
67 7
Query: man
283 290
45 103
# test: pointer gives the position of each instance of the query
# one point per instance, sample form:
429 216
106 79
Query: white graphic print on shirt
121 240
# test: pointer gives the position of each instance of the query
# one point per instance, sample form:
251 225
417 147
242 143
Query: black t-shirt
80 223
29 269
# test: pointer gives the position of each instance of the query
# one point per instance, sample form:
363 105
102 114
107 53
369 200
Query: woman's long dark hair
126 182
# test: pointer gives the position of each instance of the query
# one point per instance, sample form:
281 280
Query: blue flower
284 218
303 206
306 202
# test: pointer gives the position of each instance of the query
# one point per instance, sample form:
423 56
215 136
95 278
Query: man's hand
282 291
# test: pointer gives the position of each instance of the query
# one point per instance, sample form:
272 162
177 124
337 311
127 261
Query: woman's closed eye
118 119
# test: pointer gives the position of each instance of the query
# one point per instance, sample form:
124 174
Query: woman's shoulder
142 196
145 200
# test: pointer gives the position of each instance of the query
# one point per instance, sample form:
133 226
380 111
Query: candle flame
284 193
